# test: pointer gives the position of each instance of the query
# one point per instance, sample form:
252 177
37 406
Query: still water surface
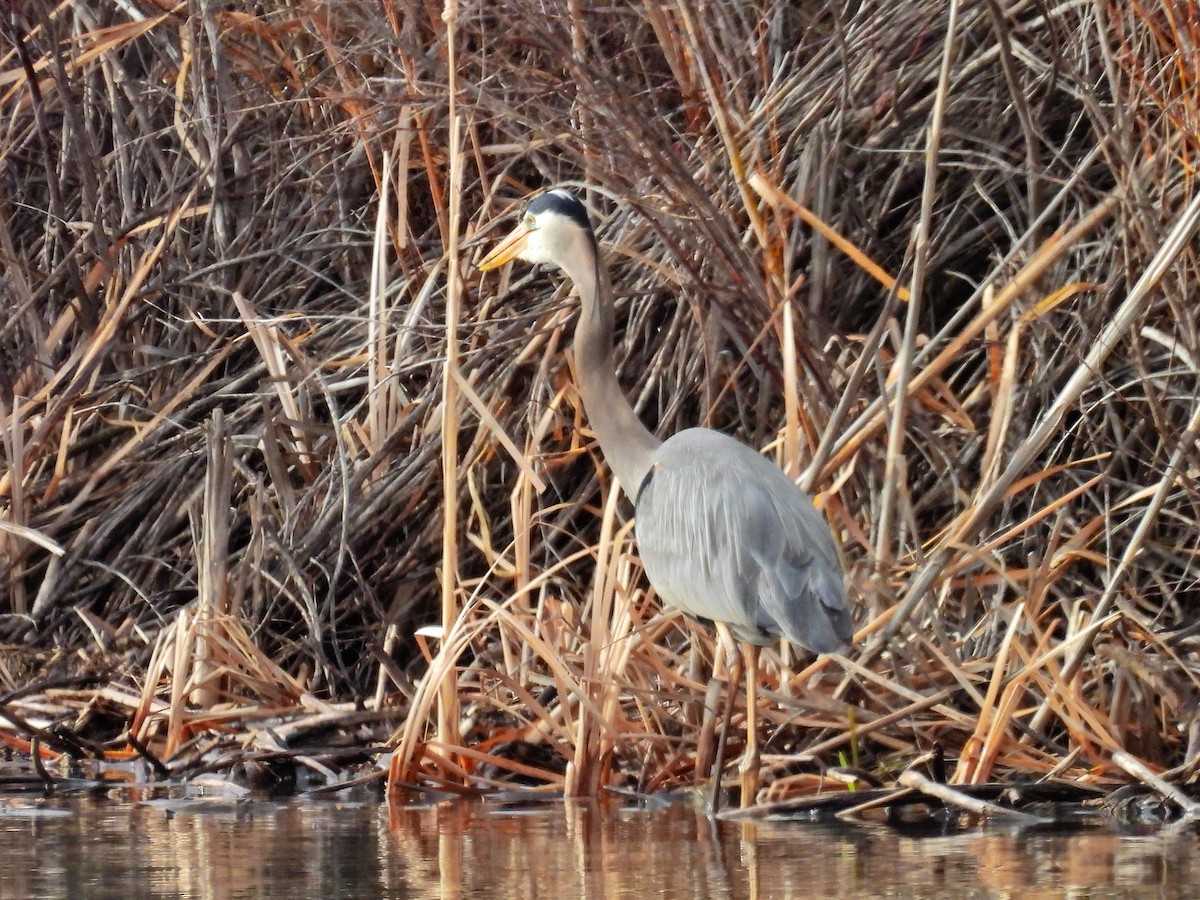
333 848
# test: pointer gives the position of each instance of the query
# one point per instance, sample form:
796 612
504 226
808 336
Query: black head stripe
562 202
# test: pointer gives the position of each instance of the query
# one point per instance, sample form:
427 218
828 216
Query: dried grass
261 420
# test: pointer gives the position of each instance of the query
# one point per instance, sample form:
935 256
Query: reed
274 452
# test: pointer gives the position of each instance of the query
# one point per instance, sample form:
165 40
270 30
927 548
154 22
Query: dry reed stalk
12 526
895 466
447 732
212 551
381 411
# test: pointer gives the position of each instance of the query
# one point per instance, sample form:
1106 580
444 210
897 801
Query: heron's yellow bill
508 249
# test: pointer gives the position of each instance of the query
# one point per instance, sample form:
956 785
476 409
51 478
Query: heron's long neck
627 444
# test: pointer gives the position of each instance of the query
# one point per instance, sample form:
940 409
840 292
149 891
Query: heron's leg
712 710
749 767
733 666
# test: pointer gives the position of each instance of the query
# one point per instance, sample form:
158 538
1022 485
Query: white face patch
553 238
536 245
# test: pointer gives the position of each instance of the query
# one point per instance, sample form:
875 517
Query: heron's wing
725 535
800 584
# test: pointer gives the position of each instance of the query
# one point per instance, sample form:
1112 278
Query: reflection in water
351 848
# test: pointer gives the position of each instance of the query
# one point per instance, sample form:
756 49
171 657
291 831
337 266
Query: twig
1139 770
943 792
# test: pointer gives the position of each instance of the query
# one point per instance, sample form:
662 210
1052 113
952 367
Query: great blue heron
724 535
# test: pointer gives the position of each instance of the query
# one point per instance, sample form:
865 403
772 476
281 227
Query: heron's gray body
725 535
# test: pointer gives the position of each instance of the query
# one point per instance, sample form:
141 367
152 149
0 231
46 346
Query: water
355 847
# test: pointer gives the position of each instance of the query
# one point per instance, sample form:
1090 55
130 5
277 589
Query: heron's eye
530 221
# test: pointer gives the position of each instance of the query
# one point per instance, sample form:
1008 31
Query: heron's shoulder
686 444
702 449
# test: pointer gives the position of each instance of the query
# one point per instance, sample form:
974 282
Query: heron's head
554 229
